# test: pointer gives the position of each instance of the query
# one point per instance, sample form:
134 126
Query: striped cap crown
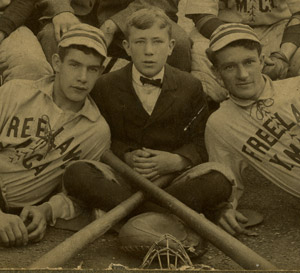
87 35
227 33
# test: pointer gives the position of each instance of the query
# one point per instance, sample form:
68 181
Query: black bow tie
149 81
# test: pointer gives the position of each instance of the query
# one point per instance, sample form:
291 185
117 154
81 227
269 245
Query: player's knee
74 176
219 177
220 181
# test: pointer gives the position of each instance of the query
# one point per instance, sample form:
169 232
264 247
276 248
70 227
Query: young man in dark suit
157 116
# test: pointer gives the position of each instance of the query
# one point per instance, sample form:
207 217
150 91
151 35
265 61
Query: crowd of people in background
200 106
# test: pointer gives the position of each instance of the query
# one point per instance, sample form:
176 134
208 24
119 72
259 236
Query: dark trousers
86 183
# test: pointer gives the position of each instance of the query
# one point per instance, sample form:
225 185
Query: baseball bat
72 245
232 247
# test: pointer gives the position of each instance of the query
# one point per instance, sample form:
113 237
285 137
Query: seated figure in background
276 23
21 55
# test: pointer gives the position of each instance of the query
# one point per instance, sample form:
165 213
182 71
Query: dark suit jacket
177 108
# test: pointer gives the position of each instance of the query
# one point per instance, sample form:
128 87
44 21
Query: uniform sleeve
202 7
194 148
7 101
169 6
291 33
2 107
294 6
50 8
204 14
63 207
221 151
15 15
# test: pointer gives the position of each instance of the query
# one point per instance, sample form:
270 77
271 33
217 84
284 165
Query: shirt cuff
62 207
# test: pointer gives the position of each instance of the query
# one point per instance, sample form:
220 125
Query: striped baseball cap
227 33
87 35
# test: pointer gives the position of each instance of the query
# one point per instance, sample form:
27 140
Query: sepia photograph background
277 238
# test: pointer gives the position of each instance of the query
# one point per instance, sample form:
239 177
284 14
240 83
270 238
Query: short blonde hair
145 18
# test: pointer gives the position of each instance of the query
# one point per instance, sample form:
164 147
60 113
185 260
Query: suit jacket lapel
133 108
167 96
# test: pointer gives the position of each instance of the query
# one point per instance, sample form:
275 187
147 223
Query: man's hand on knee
62 22
12 230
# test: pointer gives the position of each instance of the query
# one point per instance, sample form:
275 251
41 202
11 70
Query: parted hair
145 18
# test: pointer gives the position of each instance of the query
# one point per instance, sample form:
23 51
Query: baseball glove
142 231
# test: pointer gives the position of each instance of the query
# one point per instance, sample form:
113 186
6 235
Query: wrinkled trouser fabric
100 187
21 57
